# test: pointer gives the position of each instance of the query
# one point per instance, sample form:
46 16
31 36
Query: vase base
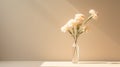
75 61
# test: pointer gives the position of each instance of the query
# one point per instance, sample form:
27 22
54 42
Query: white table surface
59 64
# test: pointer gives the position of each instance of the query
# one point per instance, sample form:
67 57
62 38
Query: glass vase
75 57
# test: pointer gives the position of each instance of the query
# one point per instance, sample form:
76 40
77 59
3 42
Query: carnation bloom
64 29
93 13
79 18
70 23
67 26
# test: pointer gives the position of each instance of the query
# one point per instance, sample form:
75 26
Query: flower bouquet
75 27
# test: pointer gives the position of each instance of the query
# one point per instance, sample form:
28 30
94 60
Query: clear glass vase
75 58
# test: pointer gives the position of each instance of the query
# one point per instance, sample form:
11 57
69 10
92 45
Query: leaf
70 32
78 26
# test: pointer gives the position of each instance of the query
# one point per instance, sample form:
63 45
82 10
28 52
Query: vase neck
75 44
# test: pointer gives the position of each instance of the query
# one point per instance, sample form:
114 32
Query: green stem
86 21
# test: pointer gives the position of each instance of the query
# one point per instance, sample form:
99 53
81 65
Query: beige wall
30 30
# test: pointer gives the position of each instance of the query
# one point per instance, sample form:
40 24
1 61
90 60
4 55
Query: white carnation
79 17
93 13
